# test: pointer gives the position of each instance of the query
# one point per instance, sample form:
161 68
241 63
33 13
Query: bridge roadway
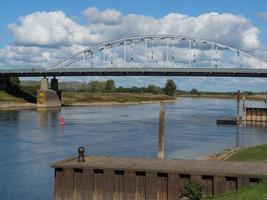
214 72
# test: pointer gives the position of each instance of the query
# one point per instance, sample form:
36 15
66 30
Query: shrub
192 190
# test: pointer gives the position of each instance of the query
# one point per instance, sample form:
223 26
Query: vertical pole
104 55
194 53
212 55
216 56
167 53
92 60
238 106
189 52
161 131
146 51
124 52
237 59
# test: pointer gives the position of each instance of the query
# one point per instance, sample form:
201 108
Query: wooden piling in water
238 106
161 131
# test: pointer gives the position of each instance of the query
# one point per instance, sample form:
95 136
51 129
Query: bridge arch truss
159 51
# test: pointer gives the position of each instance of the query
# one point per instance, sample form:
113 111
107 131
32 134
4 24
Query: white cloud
50 29
109 16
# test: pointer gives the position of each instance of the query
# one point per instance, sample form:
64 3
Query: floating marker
62 121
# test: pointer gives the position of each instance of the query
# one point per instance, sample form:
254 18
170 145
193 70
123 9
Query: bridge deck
217 72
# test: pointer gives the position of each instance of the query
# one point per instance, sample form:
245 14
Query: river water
31 140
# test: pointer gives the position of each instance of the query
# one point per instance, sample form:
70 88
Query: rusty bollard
81 152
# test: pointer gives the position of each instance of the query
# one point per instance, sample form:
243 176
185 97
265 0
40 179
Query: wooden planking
151 186
129 186
184 178
108 184
207 184
219 185
173 187
231 183
162 187
118 187
83 184
140 186
58 187
99 180
242 181
67 184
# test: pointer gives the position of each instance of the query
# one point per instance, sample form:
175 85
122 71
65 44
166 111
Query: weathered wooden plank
219 184
207 184
119 186
162 187
140 186
231 184
58 187
129 186
108 184
151 186
99 180
173 187
88 183
67 184
242 181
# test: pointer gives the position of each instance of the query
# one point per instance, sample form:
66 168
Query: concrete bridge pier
48 98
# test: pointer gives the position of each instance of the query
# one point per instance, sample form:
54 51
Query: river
31 140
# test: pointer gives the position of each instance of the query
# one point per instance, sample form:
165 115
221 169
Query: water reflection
48 117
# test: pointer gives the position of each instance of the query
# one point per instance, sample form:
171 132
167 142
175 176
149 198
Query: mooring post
161 131
238 106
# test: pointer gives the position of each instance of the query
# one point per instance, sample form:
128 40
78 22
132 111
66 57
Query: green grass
255 191
252 192
258 153
89 97
7 98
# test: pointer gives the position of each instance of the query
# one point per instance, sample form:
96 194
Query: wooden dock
107 178
227 120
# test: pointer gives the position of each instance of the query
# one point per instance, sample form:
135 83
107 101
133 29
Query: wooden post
161 131
238 106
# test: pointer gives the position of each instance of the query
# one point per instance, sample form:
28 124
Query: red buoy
62 121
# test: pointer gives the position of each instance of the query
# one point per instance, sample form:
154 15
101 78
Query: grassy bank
8 98
84 98
256 97
252 192
257 153
69 98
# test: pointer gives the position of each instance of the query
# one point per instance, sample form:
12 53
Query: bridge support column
47 98
54 86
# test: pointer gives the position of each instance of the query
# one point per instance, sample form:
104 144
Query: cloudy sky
38 33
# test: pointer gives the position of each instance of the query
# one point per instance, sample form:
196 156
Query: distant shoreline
11 106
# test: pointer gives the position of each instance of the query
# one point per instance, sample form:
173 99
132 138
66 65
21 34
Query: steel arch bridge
166 48
154 55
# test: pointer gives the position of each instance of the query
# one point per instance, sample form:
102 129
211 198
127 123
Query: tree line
110 86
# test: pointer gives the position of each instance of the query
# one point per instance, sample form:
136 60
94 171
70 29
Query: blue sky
11 38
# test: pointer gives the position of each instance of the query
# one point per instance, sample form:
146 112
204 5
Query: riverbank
8 101
255 97
250 154
253 153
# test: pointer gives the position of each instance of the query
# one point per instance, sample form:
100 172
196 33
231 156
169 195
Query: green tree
194 91
14 82
170 88
110 85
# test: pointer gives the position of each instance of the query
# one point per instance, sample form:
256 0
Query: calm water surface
31 140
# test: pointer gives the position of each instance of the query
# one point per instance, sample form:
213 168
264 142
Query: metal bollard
81 152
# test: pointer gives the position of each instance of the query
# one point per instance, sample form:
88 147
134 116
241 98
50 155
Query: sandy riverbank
4 106
224 155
